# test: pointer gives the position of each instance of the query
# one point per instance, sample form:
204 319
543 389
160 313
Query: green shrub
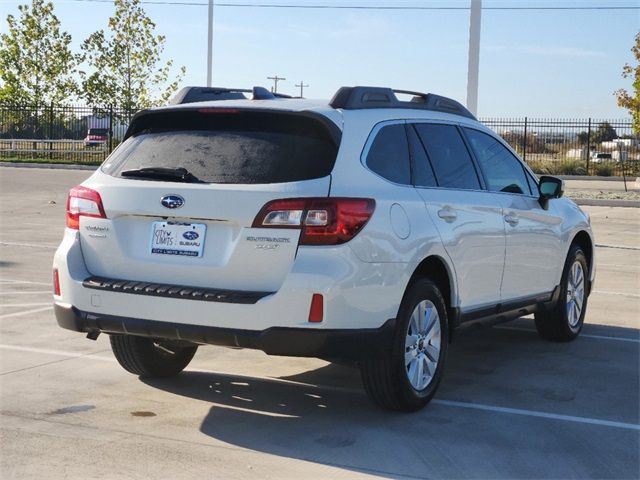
572 167
603 169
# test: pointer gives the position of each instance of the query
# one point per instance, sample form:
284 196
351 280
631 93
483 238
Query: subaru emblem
172 201
190 235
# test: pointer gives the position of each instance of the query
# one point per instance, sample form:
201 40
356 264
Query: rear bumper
353 344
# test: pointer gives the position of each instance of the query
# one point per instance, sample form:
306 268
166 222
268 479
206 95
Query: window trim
457 126
369 142
509 149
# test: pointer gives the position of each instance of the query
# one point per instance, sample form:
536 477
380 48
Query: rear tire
407 378
151 358
564 321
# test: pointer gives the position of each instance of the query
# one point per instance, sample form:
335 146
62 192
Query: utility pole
275 79
474 55
302 87
210 46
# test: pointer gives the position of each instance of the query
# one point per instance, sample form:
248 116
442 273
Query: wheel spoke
432 352
419 371
408 357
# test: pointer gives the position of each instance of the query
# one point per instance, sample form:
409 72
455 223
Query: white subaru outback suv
363 229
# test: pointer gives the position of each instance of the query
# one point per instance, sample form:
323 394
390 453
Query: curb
54 166
596 179
598 202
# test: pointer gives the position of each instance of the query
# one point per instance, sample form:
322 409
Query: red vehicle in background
96 137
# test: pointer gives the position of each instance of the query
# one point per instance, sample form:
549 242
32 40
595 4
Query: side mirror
550 187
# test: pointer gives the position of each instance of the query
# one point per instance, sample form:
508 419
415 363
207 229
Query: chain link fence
82 134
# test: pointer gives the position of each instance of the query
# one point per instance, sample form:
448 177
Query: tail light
323 221
83 201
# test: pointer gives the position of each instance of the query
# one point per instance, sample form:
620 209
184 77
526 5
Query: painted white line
448 403
24 292
29 245
534 413
59 353
24 304
603 292
11 281
620 247
582 335
26 312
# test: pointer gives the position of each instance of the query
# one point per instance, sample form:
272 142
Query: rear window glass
98 131
232 147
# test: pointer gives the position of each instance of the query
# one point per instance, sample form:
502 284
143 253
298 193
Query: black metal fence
82 134
61 134
572 146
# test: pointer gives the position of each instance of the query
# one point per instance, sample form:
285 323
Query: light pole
474 56
210 46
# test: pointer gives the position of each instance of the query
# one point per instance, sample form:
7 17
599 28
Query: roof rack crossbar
356 98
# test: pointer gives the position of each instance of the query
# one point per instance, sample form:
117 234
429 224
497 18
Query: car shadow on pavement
323 415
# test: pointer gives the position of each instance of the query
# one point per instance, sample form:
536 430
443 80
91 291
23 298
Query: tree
631 100
604 133
126 62
36 62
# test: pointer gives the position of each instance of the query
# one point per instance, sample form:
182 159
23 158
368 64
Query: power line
369 7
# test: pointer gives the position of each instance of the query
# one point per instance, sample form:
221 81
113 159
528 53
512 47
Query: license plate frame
173 239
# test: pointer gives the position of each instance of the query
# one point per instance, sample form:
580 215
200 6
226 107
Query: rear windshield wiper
161 173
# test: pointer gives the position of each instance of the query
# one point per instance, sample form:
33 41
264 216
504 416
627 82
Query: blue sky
536 63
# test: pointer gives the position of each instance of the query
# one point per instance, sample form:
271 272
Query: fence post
524 147
588 144
50 133
110 128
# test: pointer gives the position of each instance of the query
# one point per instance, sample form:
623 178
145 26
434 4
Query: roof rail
356 98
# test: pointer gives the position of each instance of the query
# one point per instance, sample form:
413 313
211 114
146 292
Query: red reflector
56 282
316 312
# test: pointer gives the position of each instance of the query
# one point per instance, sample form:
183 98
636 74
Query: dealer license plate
185 239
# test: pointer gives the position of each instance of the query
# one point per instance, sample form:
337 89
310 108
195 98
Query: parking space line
443 402
39 292
35 310
535 413
24 304
623 294
619 247
11 281
29 245
582 335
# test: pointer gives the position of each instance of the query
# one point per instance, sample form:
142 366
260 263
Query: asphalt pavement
510 406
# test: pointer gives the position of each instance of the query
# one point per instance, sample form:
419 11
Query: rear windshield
230 147
98 131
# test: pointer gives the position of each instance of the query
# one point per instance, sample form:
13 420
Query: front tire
407 378
564 321
151 358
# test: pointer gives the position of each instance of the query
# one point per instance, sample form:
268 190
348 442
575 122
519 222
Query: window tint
503 171
449 157
389 154
236 148
423 175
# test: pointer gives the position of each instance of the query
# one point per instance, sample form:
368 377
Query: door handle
512 219
447 214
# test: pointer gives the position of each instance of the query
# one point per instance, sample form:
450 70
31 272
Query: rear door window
238 147
388 155
423 175
449 157
503 172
